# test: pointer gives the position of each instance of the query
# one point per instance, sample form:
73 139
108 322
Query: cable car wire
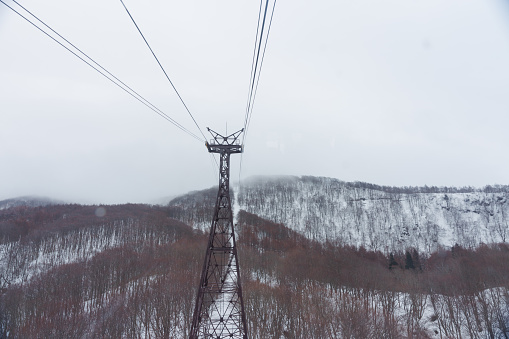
105 74
256 71
167 77
253 60
166 74
259 73
258 42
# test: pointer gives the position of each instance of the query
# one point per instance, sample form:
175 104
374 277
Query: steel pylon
219 310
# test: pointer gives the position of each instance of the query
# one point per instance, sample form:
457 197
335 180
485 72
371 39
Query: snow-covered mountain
30 201
78 271
360 214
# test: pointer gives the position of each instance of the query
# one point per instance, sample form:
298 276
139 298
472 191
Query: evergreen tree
392 262
409 262
416 259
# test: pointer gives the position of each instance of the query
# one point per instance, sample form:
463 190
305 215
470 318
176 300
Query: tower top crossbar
220 144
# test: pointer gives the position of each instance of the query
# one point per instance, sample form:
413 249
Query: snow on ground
329 209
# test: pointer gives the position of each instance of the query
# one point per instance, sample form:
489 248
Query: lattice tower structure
219 310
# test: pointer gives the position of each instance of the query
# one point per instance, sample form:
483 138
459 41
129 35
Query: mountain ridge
362 214
28 200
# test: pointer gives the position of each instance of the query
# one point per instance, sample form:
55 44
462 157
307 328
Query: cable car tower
219 310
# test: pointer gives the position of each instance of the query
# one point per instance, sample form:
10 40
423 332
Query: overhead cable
253 60
256 67
250 107
105 74
161 66
258 42
257 62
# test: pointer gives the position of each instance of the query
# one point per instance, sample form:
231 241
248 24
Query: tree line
143 284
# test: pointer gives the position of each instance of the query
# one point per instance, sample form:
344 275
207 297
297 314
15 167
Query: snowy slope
378 218
353 213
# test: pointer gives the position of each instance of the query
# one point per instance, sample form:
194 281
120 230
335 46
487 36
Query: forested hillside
361 214
131 271
71 271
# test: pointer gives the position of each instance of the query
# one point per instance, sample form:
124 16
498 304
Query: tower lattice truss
219 311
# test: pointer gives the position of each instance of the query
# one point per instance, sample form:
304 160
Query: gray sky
391 92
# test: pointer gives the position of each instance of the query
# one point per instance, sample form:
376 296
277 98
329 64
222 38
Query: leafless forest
67 273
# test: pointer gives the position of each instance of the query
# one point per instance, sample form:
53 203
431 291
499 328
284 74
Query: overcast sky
392 92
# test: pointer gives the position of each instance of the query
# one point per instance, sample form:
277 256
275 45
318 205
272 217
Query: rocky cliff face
376 217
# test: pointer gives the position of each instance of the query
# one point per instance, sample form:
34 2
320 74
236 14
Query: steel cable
259 73
255 70
161 66
108 75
